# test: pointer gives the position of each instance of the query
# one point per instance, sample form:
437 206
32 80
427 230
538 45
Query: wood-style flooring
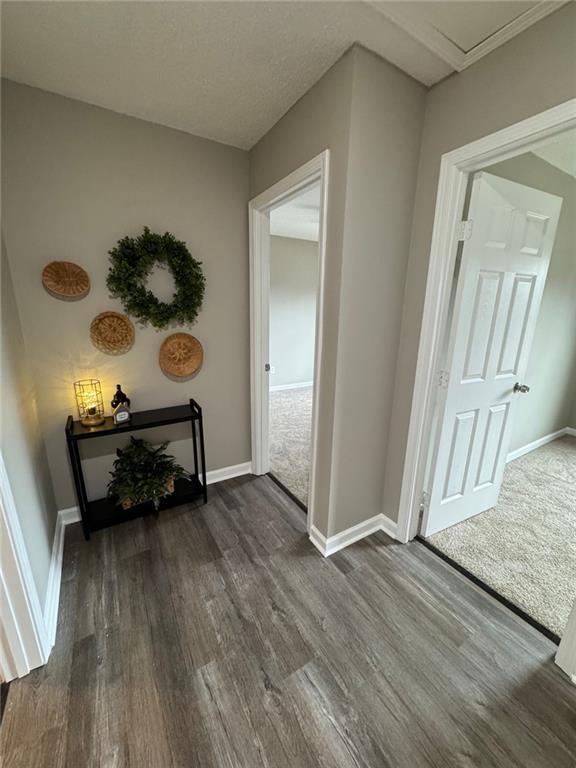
217 636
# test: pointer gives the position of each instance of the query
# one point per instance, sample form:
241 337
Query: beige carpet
525 548
290 431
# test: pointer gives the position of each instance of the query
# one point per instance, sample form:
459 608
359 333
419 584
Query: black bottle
119 398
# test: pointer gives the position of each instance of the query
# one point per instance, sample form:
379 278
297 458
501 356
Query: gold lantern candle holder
89 401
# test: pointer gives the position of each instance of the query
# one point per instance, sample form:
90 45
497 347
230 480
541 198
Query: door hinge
443 379
424 504
465 229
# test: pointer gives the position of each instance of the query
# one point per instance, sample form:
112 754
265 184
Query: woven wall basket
181 356
65 280
112 333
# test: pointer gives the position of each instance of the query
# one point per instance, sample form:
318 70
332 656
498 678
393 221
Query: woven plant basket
112 333
128 503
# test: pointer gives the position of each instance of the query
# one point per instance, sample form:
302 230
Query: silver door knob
523 388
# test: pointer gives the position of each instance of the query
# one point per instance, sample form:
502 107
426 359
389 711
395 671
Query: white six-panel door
502 276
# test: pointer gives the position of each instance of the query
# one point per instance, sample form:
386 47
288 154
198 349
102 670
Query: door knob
523 388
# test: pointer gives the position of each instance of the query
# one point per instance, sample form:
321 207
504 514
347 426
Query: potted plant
143 473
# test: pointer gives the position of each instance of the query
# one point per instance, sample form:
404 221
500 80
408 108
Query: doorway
512 522
494 469
294 228
287 254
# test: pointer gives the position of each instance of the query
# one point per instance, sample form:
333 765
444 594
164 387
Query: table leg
203 458
76 463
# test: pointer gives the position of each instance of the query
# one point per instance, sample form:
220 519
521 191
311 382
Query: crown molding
406 17
513 28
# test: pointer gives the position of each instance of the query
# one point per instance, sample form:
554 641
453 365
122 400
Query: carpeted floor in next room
290 431
525 548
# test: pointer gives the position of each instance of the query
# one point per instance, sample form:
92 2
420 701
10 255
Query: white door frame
24 640
455 168
259 222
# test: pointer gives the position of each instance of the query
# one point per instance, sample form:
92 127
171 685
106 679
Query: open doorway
501 477
294 229
287 254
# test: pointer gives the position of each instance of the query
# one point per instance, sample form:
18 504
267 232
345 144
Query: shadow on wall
23 449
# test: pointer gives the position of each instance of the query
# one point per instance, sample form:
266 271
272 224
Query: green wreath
132 262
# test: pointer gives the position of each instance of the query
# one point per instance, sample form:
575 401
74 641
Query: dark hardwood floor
218 637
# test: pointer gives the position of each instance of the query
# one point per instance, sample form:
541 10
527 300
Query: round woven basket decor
112 333
181 356
65 280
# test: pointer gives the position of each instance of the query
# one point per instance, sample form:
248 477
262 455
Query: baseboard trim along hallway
328 546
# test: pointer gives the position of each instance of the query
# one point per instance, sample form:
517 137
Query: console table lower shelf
102 513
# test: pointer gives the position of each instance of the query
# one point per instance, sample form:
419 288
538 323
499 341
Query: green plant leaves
141 471
132 261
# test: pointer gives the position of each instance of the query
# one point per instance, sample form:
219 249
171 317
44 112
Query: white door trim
455 168
259 222
27 644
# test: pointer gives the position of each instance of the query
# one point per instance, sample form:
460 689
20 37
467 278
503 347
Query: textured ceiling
225 71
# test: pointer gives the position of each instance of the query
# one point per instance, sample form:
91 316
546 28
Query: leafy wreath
132 262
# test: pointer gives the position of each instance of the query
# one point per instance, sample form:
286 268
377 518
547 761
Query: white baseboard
298 385
539 443
70 515
328 546
390 527
55 573
65 517
226 473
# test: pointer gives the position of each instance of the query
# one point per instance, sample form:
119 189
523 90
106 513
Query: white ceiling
300 217
560 152
229 70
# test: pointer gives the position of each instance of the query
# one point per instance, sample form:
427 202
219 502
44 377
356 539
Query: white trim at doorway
315 170
454 172
25 644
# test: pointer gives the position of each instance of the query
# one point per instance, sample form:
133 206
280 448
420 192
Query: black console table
104 512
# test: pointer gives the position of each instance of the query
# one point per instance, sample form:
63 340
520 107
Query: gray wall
293 288
531 73
76 179
551 371
22 444
369 115
319 120
386 122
